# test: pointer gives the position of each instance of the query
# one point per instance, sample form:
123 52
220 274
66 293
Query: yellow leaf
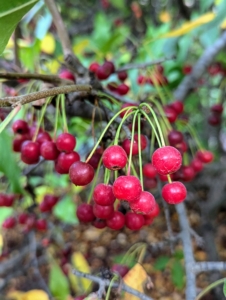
48 44
53 65
164 16
223 24
80 263
15 295
35 295
188 26
135 278
80 46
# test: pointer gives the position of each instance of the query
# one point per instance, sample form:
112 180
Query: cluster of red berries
156 78
28 221
103 72
214 118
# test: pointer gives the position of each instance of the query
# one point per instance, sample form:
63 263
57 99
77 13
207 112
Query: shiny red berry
175 137
85 213
49 151
174 193
66 74
65 142
116 221
205 156
122 75
103 194
30 152
127 188
149 170
103 212
20 126
134 221
81 173
145 203
65 160
166 160
114 158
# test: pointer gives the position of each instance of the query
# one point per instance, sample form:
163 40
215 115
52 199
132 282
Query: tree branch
43 77
199 68
188 252
207 266
105 282
63 36
143 65
24 99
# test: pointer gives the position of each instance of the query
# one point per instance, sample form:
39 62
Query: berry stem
134 169
139 152
132 140
115 277
56 118
156 121
120 125
103 133
9 118
210 287
94 182
169 178
41 118
161 111
194 136
64 112
107 174
152 126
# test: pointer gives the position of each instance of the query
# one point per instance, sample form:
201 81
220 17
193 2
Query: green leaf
224 288
8 164
11 12
58 282
65 210
5 212
161 263
177 274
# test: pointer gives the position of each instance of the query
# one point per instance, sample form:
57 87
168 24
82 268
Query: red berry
112 86
102 73
114 158
182 147
215 69
175 137
85 213
135 149
109 67
18 141
214 119
178 106
217 108
171 114
150 183
30 152
127 188
197 165
122 270
43 137
116 221
149 170
100 224
94 66
6 199
147 220
9 223
95 159
20 126
122 75
103 194
22 218
134 221
141 80
187 69
103 212
166 160
81 173
49 151
144 204
48 202
30 222
32 131
65 142
188 173
122 89
154 213
65 160
205 156
174 193
66 74
41 225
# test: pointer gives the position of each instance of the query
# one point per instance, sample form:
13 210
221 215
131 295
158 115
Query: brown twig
42 77
63 36
24 99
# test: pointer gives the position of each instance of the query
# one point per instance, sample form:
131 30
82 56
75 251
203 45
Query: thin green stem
156 121
152 126
94 181
169 178
152 144
210 287
110 286
139 152
107 174
63 109
134 170
41 118
162 113
194 135
115 101
9 118
56 117
103 133
132 140
127 114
